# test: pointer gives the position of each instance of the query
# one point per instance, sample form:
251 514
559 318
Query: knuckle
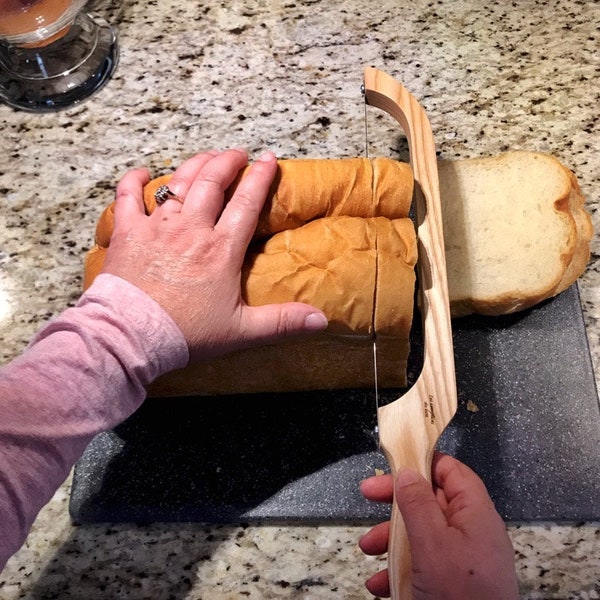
178 183
246 200
286 324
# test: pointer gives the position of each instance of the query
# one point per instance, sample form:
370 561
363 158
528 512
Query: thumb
420 510
273 322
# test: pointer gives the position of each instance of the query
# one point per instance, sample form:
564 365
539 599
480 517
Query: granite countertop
284 76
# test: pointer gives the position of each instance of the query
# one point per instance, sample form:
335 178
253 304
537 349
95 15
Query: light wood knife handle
410 426
407 438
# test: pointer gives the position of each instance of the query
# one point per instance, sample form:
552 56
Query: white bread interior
515 230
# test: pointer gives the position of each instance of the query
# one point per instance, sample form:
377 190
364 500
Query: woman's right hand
459 545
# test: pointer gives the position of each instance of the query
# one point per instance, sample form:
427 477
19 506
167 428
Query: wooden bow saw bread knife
410 426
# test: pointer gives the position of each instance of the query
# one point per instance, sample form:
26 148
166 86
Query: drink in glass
52 53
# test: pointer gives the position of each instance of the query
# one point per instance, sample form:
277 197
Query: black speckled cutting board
534 439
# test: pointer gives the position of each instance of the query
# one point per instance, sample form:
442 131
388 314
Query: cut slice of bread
515 231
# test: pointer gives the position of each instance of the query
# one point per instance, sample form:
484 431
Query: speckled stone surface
285 76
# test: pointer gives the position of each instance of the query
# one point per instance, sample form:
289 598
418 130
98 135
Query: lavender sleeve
83 373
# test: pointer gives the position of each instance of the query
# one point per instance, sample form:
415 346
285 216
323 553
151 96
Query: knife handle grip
399 559
399 554
407 440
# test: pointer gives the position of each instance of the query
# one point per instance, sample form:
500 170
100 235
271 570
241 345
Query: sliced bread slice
515 231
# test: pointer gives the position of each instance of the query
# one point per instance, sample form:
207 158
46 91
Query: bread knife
410 426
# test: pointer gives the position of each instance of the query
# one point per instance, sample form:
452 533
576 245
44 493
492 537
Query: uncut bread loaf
515 228
360 272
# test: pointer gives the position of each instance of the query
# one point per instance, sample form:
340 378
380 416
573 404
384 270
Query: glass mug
53 54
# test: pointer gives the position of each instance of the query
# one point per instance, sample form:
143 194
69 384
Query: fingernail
315 322
407 477
266 157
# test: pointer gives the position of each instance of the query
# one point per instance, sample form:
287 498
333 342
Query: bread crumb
379 472
472 407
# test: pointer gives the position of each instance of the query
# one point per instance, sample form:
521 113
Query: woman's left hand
188 255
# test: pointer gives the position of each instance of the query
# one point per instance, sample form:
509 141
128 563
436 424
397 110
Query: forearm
83 373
